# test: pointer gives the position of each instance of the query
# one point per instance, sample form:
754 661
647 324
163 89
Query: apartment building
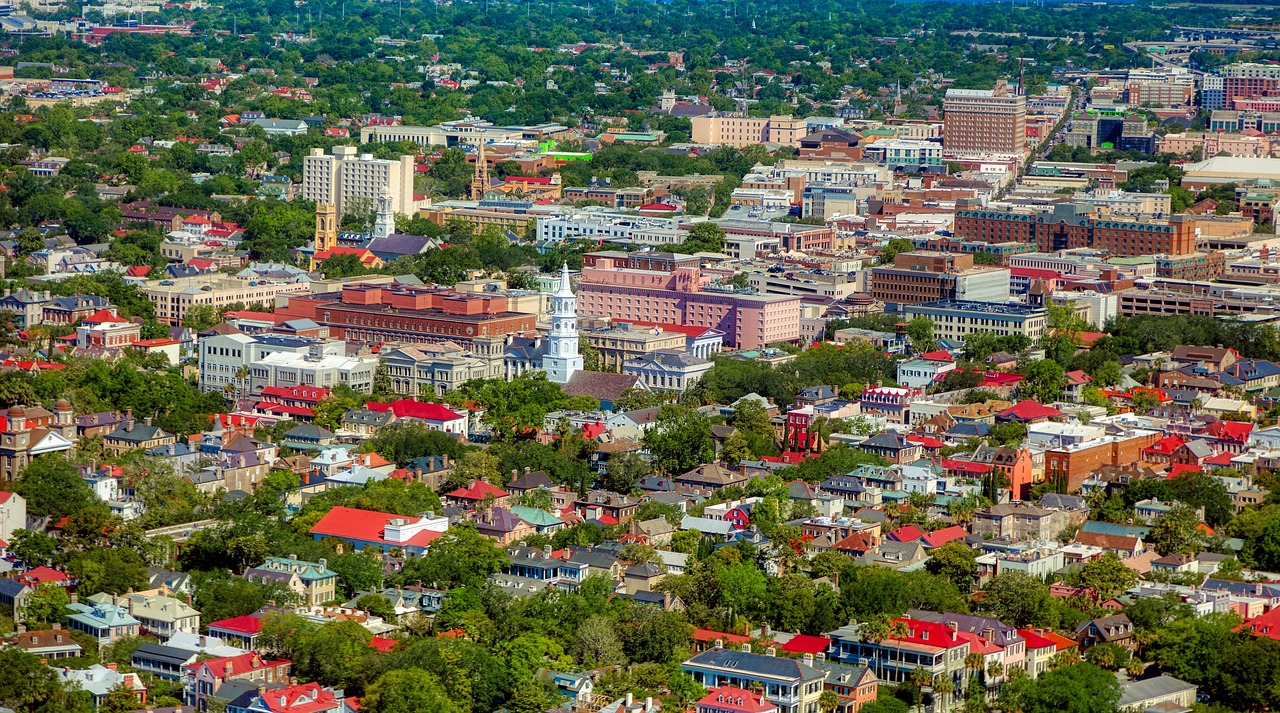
926 276
1074 225
793 686
172 298
351 181
668 288
984 121
741 131
956 319
1075 463
1214 143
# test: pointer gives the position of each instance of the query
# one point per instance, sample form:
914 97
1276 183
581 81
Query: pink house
665 287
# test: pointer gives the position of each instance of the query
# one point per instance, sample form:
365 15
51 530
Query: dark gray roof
397 244
168 654
759 664
139 433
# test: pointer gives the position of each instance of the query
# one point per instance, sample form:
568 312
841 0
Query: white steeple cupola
562 358
385 224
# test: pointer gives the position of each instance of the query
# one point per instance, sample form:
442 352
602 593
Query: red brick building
407 313
1072 226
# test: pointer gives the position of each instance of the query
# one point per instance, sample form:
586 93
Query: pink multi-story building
665 287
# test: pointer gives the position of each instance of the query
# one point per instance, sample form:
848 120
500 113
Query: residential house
787 683
710 477
502 525
204 679
295 698
893 447
164 662
52 644
160 615
98 681
1115 629
383 531
854 686
104 620
476 493
1019 522
317 584
727 699
1162 693
130 435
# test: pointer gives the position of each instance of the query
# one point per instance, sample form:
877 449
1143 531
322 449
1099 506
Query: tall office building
985 121
352 181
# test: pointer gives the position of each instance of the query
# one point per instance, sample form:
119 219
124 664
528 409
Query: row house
936 648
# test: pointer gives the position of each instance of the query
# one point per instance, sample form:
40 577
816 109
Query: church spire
480 179
562 358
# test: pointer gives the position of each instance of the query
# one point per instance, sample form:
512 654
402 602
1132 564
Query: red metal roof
478 491
965 466
806 644
686 329
246 625
410 408
735 700
1028 410
365 526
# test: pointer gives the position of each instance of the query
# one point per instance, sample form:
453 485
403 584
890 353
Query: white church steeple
562 358
385 224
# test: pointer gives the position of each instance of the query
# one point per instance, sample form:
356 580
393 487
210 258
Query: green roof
535 516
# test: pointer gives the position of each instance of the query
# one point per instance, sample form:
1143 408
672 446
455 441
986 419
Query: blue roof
1110 528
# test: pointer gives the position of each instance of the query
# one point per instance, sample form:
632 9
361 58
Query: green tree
1106 575
955 562
1019 599
53 488
1079 688
1044 381
461 557
358 571
27 684
680 439
1176 531
920 331
201 317
47 605
410 690
35 548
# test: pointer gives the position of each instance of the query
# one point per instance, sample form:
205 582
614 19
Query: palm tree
828 701
995 670
973 662
876 631
963 511
242 376
943 686
898 631
1134 666
920 678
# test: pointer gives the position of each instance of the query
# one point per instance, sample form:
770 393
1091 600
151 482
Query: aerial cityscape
520 356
